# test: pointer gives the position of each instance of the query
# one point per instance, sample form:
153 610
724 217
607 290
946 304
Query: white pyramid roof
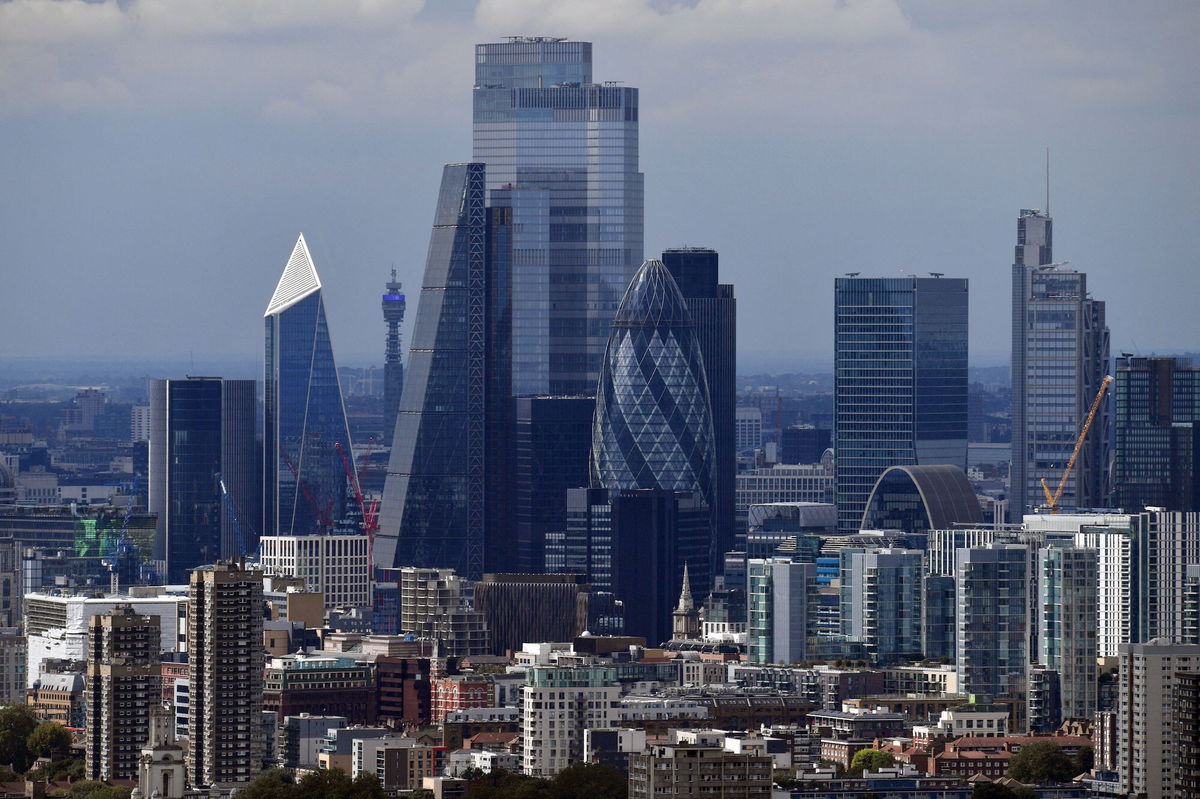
299 279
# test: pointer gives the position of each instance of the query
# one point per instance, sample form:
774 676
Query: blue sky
158 157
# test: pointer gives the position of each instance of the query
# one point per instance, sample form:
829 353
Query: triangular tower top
299 279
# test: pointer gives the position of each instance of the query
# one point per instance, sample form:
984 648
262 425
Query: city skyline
365 213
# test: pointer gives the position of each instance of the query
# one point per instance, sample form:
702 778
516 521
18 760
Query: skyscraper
1157 430
304 425
124 683
225 672
900 358
393 365
881 602
992 590
202 438
1060 351
565 152
1068 580
653 425
433 500
714 314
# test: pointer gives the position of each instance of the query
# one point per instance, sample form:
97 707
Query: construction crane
1052 499
324 515
370 517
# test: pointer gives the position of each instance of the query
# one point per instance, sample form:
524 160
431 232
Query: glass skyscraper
304 478
653 426
565 152
1060 352
433 501
1157 434
992 644
900 358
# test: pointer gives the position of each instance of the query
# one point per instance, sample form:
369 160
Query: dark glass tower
552 439
393 365
433 512
202 436
1157 434
304 478
900 357
714 314
565 151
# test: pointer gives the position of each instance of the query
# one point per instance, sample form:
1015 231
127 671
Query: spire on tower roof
686 603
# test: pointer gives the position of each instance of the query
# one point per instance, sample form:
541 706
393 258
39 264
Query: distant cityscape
556 543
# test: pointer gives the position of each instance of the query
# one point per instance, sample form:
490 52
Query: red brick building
458 692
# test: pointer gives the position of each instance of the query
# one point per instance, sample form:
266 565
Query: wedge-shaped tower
653 425
304 478
433 500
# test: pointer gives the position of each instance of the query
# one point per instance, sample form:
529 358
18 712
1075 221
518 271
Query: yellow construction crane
1052 499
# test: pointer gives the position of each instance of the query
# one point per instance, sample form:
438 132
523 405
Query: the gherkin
653 425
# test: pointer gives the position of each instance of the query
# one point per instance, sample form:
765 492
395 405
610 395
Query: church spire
685 621
685 596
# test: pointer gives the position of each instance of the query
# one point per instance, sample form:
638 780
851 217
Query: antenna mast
1047 181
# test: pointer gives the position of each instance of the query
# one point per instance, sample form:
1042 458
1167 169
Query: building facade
564 151
881 602
557 706
900 359
435 604
1060 353
992 642
123 686
306 441
714 313
203 483
1157 434
697 770
1147 758
777 607
1067 584
225 674
336 565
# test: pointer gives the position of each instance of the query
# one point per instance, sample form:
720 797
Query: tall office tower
1157 434
900 358
779 619
1147 758
552 439
1059 357
653 426
124 683
393 364
225 674
881 602
634 544
714 313
1065 610
991 588
305 436
565 151
203 482
433 512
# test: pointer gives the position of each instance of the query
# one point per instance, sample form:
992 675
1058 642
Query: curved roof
653 299
945 492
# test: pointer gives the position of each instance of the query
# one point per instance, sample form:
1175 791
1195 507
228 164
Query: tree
16 724
1085 759
590 781
1041 762
274 783
91 789
870 760
49 739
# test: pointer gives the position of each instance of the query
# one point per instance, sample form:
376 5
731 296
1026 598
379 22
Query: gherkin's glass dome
653 426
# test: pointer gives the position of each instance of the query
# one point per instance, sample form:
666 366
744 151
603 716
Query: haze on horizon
159 157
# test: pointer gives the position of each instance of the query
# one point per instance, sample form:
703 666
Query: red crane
324 516
370 517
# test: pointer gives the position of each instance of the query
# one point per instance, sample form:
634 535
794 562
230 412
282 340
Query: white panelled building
338 565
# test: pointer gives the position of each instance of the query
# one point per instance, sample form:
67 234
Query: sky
159 157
